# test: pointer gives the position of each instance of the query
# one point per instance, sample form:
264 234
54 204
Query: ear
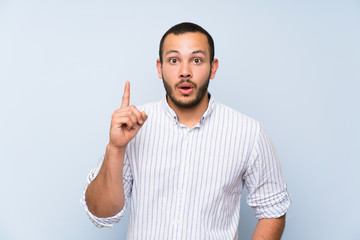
214 67
159 68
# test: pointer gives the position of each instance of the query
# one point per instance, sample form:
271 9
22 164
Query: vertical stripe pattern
183 183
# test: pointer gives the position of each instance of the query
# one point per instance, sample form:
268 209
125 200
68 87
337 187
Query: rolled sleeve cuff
274 209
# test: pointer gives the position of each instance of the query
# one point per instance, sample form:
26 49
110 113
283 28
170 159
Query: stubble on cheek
200 92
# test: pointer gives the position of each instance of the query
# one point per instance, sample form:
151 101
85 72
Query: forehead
186 42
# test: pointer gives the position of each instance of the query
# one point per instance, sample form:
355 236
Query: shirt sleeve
127 180
267 188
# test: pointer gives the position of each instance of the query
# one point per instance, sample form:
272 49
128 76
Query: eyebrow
171 51
176 51
198 51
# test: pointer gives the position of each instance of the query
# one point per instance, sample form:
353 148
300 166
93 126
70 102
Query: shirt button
186 163
181 192
188 134
178 223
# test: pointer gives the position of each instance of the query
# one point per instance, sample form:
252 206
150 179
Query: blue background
292 65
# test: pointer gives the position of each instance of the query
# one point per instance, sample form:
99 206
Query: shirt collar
171 113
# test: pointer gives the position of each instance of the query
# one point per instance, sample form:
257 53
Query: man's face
186 69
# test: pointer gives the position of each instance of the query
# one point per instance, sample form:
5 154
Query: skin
269 229
105 195
186 58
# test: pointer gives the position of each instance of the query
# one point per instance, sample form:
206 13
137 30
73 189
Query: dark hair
187 27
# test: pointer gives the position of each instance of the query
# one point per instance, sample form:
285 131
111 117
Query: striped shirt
183 183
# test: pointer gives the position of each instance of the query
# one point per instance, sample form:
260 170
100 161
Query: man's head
186 64
187 27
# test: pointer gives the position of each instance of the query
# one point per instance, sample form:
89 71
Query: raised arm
105 195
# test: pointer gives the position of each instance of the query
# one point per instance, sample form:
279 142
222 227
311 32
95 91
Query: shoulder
234 116
150 107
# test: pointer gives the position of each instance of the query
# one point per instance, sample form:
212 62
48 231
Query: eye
197 60
173 60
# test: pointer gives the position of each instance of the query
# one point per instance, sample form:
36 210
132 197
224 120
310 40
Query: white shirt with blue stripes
183 183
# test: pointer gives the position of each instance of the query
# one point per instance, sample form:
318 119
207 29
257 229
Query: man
181 163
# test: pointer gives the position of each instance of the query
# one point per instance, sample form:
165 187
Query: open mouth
185 85
185 88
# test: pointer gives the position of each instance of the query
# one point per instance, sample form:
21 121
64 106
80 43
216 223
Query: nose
185 71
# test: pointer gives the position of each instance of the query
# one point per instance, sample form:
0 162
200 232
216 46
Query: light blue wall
292 65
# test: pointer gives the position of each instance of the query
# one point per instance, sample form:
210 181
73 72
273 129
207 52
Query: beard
201 91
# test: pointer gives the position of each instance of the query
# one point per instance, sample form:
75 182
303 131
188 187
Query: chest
178 158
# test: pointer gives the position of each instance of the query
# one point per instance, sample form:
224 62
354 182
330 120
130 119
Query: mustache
187 81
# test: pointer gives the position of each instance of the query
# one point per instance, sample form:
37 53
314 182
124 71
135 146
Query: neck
190 116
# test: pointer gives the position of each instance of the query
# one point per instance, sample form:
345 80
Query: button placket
182 183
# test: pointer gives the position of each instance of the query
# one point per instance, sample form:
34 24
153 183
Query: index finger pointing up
126 97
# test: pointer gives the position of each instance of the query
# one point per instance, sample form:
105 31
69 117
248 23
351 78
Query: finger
130 110
119 117
130 124
131 113
137 113
133 119
126 122
126 96
144 116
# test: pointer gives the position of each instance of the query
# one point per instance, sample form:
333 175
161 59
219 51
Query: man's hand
126 122
105 195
